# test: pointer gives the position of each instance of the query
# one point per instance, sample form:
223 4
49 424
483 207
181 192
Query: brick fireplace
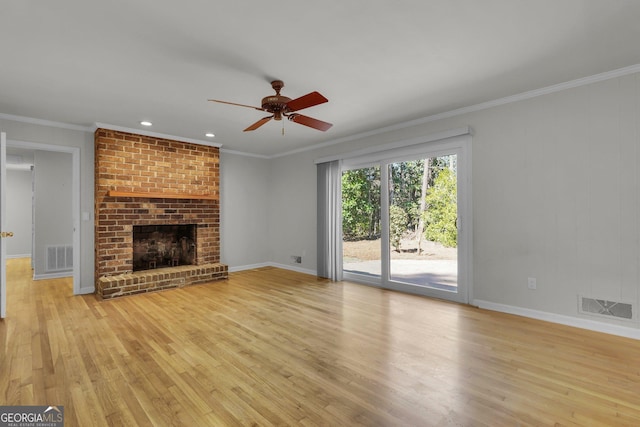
145 183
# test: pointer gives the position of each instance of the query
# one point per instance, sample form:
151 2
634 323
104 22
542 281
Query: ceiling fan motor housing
276 104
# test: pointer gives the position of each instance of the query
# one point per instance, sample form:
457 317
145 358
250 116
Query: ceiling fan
281 106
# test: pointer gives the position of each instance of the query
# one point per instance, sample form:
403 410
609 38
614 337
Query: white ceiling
379 62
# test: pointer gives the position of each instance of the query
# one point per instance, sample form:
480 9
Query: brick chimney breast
142 180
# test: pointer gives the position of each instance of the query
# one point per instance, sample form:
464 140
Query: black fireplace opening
161 246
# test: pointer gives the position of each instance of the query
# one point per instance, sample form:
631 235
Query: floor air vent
606 308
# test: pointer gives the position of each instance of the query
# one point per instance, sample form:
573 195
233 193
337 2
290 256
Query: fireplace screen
157 246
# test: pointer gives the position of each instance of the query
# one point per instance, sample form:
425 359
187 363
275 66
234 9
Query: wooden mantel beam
156 195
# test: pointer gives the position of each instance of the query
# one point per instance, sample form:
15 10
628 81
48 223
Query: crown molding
243 153
42 122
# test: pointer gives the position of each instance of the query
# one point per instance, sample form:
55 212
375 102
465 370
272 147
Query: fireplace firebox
161 246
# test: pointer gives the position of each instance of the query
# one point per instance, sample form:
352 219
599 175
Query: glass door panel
361 222
423 214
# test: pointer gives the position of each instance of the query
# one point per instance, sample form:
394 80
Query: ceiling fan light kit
281 106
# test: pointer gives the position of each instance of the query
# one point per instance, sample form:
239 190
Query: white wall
53 206
18 199
244 210
292 229
42 134
556 196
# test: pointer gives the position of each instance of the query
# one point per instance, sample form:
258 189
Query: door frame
3 224
459 145
75 197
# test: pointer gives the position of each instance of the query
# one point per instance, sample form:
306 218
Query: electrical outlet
531 283
296 259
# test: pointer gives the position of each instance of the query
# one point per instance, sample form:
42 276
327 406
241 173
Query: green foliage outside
398 221
361 201
440 218
406 180
361 204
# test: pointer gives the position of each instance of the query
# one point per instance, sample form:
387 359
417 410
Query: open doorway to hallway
40 210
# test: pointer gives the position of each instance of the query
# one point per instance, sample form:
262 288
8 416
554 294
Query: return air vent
601 307
59 258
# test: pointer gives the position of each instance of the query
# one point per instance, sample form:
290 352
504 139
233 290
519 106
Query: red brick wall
140 164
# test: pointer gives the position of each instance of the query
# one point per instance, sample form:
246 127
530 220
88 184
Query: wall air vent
59 258
605 308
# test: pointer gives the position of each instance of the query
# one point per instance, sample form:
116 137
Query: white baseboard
592 325
272 264
248 267
86 291
18 256
57 275
294 268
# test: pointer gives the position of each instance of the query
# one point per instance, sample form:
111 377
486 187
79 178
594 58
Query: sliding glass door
402 221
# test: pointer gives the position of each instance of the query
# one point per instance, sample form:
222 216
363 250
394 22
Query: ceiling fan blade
310 121
306 101
259 123
239 105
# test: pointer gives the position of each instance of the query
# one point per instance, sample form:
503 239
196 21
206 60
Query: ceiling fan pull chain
283 128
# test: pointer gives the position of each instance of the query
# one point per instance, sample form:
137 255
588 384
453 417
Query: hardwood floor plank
275 347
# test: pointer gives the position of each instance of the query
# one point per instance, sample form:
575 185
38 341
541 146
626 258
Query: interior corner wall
19 213
245 192
556 196
292 202
42 134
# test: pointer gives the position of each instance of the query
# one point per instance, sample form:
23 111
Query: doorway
406 220
55 247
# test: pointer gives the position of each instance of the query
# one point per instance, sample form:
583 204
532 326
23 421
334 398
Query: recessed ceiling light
145 123
209 135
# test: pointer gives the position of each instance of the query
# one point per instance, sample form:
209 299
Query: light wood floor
273 347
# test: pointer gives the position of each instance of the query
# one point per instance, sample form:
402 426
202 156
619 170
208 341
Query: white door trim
3 224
